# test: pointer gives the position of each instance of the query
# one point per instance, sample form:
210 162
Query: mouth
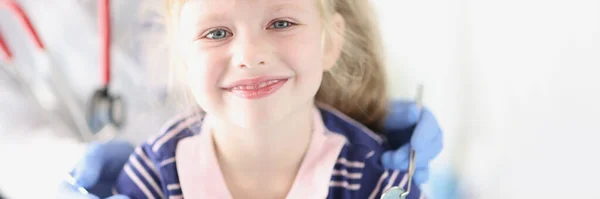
257 87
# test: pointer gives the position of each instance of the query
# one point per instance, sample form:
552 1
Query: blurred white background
514 85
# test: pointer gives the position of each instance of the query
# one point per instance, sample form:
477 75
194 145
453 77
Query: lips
254 83
257 87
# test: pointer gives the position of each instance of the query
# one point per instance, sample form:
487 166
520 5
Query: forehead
267 6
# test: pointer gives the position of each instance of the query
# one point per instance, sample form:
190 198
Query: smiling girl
292 93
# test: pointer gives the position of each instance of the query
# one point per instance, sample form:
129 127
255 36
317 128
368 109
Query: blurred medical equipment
397 191
9 68
104 108
46 82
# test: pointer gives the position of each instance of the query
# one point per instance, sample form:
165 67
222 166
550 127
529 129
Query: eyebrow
213 17
283 6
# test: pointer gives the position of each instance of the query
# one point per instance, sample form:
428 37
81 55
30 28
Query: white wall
533 116
514 85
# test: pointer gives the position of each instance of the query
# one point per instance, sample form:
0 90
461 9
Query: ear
334 42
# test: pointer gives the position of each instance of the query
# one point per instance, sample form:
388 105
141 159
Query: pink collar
200 175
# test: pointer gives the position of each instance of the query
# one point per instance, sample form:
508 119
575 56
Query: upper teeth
261 85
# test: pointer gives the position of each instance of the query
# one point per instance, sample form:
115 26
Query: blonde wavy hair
356 85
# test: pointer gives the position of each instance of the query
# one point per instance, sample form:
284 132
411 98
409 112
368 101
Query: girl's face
253 62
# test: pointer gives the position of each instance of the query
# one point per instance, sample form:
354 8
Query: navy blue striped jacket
151 171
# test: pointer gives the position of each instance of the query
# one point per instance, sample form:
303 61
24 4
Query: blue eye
217 34
281 24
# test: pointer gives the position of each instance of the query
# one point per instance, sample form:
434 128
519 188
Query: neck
277 148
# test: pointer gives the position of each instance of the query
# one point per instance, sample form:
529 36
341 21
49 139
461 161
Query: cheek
304 56
204 72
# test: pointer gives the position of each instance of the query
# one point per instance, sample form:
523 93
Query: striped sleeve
151 170
140 177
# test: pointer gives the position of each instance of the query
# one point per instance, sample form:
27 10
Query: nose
251 51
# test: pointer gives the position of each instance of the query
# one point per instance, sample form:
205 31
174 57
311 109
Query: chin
255 114
253 119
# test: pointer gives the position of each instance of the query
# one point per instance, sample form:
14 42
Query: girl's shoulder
356 134
358 171
163 145
151 170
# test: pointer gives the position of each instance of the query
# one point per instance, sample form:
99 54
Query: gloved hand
406 126
100 167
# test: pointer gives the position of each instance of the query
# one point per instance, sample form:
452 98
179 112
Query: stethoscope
105 109
398 192
50 89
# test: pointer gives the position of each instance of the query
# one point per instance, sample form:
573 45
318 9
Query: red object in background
13 7
4 49
105 108
17 11
104 27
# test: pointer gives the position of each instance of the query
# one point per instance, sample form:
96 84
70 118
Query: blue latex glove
100 167
407 125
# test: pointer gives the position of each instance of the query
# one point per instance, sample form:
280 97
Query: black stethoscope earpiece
105 109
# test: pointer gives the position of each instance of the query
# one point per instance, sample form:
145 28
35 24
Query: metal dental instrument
73 183
397 191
